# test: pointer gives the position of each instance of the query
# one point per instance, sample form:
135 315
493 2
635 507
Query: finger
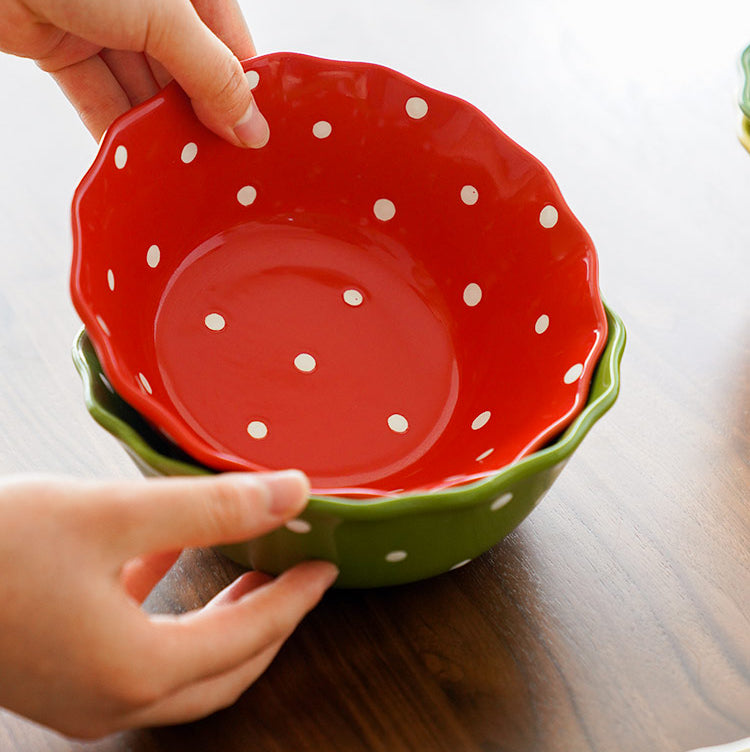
161 75
133 73
243 585
207 643
95 93
207 696
139 576
227 21
208 72
168 513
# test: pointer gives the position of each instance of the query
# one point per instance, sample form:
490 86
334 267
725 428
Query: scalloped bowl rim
103 345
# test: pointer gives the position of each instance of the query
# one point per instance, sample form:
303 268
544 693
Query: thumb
208 72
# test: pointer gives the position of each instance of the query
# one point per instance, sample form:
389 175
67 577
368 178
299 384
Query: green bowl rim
604 388
744 99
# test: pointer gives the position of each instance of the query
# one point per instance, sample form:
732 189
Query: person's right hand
109 55
78 654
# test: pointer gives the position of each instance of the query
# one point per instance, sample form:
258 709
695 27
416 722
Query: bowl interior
391 295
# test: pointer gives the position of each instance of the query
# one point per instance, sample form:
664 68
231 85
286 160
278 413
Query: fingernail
330 573
288 491
252 129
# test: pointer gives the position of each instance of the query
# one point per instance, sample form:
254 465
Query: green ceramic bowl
376 542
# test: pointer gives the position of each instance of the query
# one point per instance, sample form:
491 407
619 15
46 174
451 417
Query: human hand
108 56
78 654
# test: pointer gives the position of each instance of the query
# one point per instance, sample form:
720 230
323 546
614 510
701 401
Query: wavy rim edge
744 98
603 392
127 388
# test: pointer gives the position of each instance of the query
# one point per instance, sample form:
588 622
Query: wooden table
617 617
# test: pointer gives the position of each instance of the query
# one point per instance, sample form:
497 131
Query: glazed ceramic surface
390 295
744 99
381 541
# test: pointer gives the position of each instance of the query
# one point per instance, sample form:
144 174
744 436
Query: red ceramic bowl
391 294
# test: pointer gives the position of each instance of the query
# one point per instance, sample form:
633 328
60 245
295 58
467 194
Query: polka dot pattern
416 108
145 383
301 527
215 322
393 557
353 298
121 157
189 152
573 373
153 256
305 363
472 294
481 420
501 501
257 429
384 209
398 423
469 195
253 78
322 129
103 325
481 290
247 195
548 217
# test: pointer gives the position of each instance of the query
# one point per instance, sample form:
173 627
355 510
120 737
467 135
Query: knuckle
233 94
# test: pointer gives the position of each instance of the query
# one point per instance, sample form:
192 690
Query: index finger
164 514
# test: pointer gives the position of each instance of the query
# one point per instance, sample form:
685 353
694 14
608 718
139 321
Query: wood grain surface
617 617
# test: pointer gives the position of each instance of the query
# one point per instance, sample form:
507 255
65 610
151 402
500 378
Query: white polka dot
298 526
121 157
353 297
485 455
189 152
395 556
215 322
322 129
253 78
384 209
106 383
500 502
246 195
111 279
153 256
397 423
144 383
480 420
542 324
548 216
305 362
573 373
472 294
469 195
416 108
460 564
257 429
103 324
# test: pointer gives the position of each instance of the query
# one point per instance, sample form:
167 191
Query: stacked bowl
391 295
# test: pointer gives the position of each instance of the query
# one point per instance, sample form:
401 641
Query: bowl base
284 346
